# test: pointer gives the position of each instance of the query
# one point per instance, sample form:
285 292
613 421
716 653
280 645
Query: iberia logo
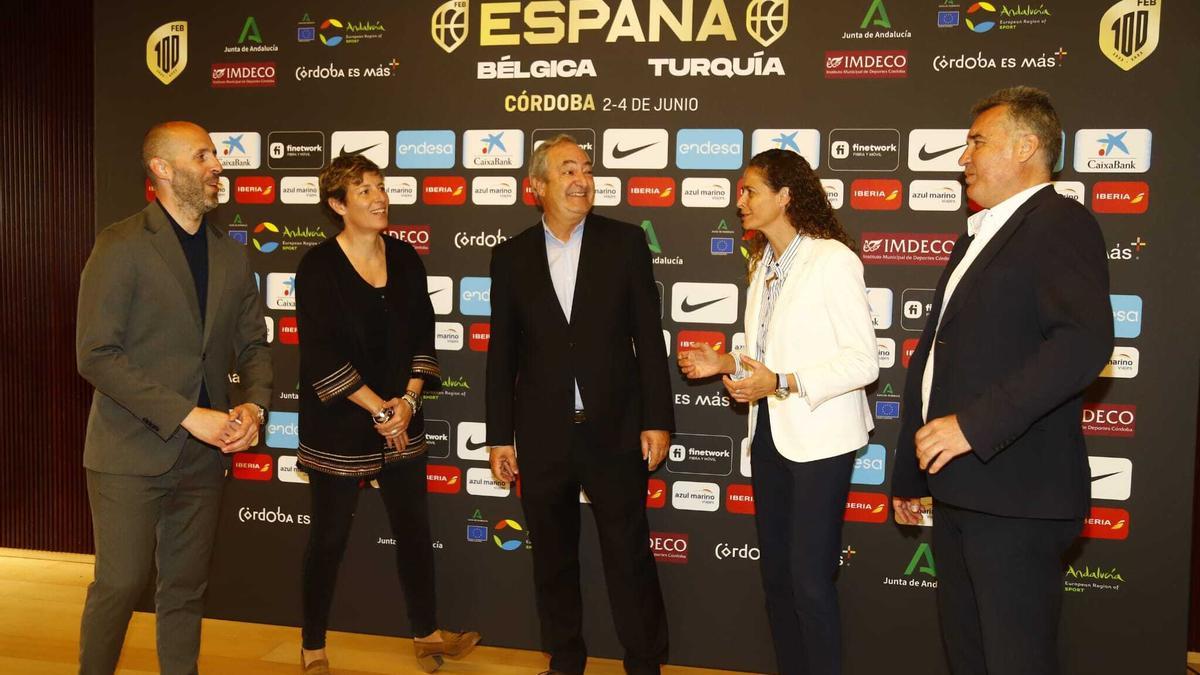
443 479
252 466
866 507
656 494
444 190
875 194
527 194
694 338
1106 523
907 349
1114 196
739 498
509 527
254 190
651 191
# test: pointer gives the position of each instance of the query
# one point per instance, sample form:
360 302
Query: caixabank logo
506 24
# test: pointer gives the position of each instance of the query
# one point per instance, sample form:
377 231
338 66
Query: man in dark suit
1021 324
577 380
168 308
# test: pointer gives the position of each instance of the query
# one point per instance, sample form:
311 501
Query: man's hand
761 382
940 441
209 426
241 429
654 446
700 361
503 459
910 510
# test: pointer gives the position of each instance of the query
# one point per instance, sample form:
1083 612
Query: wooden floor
41 599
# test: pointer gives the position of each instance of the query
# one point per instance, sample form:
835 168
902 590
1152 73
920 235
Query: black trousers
615 482
1000 587
799 508
334 498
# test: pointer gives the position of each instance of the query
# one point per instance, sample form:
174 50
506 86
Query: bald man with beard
168 308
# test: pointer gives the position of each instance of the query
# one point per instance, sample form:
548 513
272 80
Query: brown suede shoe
453 645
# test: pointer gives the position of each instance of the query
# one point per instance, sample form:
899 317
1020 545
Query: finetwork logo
493 149
296 149
1112 150
915 306
1112 477
1120 197
936 149
864 149
803 142
429 149
906 248
371 144
1127 315
700 454
283 430
441 293
693 302
635 148
709 149
869 465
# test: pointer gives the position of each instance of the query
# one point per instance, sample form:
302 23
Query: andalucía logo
1088 578
514 535
919 567
265 236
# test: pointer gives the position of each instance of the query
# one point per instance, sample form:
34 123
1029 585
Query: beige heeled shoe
318 667
453 645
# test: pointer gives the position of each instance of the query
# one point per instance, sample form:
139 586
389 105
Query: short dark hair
343 172
1029 109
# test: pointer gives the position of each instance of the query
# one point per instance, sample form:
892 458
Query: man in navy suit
1021 325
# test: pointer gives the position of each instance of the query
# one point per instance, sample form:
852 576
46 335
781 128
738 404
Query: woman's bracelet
413 399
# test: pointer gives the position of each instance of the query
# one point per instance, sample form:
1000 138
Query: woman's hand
700 361
761 382
393 430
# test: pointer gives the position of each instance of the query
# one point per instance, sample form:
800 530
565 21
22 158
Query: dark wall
46 208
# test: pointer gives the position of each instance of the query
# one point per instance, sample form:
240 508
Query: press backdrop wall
673 97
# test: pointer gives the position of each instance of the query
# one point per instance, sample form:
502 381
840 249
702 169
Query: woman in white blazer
810 351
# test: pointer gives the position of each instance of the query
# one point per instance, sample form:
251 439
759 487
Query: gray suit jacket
140 343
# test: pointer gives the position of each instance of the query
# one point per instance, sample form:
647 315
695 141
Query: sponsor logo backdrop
671 98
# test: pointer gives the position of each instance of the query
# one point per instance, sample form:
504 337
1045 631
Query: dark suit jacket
613 344
140 343
1028 327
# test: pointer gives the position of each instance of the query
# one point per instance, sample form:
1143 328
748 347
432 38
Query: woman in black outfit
367 353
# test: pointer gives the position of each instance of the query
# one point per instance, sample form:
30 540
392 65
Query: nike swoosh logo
1104 475
619 153
343 152
473 446
436 290
689 307
926 155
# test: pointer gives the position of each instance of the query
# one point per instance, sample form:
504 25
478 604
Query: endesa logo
866 507
651 191
907 350
1109 419
876 194
669 547
1120 197
289 331
443 479
252 466
1106 523
254 190
432 149
870 465
416 236
283 430
694 338
739 498
444 190
478 337
906 248
709 149
656 493
1127 315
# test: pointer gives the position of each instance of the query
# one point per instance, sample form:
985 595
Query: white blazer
821 331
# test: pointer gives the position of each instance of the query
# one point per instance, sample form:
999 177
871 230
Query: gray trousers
168 521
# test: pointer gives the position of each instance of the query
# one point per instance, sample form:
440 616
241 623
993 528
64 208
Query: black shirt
195 250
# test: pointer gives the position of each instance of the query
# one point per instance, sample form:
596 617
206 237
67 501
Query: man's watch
781 392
